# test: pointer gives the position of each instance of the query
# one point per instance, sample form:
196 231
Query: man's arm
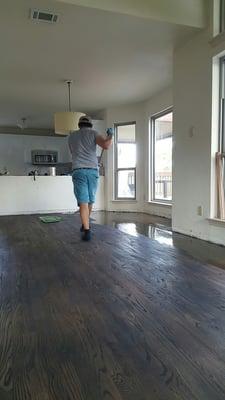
104 143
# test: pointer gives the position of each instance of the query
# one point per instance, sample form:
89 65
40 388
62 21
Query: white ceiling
182 12
113 59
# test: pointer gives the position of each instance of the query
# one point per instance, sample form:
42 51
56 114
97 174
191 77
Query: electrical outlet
200 211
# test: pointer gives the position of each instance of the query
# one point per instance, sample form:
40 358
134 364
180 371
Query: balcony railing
163 187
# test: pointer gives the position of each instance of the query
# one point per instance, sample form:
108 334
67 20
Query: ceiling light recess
43 16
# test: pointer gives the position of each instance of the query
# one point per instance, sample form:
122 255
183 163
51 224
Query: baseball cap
85 119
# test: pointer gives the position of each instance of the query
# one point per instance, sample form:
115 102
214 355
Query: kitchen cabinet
45 194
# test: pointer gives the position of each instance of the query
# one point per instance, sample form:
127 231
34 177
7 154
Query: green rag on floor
47 219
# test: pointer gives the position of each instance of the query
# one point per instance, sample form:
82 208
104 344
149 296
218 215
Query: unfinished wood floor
120 318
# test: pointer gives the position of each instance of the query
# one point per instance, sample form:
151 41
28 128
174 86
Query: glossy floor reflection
159 229
119 318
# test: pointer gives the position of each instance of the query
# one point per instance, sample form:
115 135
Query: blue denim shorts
85 183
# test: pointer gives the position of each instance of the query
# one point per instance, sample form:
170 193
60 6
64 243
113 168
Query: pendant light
67 121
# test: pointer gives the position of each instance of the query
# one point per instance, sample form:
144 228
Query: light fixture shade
66 122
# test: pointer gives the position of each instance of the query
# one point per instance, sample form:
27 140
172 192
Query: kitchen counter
45 194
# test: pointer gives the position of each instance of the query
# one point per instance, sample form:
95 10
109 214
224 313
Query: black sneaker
86 235
82 228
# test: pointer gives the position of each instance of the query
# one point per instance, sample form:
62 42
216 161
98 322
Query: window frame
152 157
221 144
117 169
222 16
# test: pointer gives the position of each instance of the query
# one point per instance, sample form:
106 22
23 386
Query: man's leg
90 206
92 188
81 192
84 215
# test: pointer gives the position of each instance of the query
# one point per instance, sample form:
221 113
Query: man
82 144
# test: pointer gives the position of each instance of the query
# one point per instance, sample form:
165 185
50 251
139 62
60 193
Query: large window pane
222 106
162 149
126 133
221 146
125 161
126 184
126 155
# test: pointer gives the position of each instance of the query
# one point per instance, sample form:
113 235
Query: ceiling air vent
43 16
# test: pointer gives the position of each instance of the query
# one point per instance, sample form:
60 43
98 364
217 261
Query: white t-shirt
82 144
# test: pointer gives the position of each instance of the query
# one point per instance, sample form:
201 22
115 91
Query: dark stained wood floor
120 318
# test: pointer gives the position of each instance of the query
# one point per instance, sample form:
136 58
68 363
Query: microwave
44 157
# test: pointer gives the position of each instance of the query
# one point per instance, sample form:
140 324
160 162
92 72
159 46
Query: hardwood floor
119 318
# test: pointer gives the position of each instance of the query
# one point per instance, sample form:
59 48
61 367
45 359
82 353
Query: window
222 109
220 154
125 161
161 185
222 15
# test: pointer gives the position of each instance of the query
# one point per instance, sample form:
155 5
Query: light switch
191 131
200 211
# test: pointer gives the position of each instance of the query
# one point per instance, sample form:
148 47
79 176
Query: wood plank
121 317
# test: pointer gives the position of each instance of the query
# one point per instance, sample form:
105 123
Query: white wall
15 151
195 140
118 115
192 161
140 112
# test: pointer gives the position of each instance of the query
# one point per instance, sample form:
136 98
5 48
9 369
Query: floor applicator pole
109 133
